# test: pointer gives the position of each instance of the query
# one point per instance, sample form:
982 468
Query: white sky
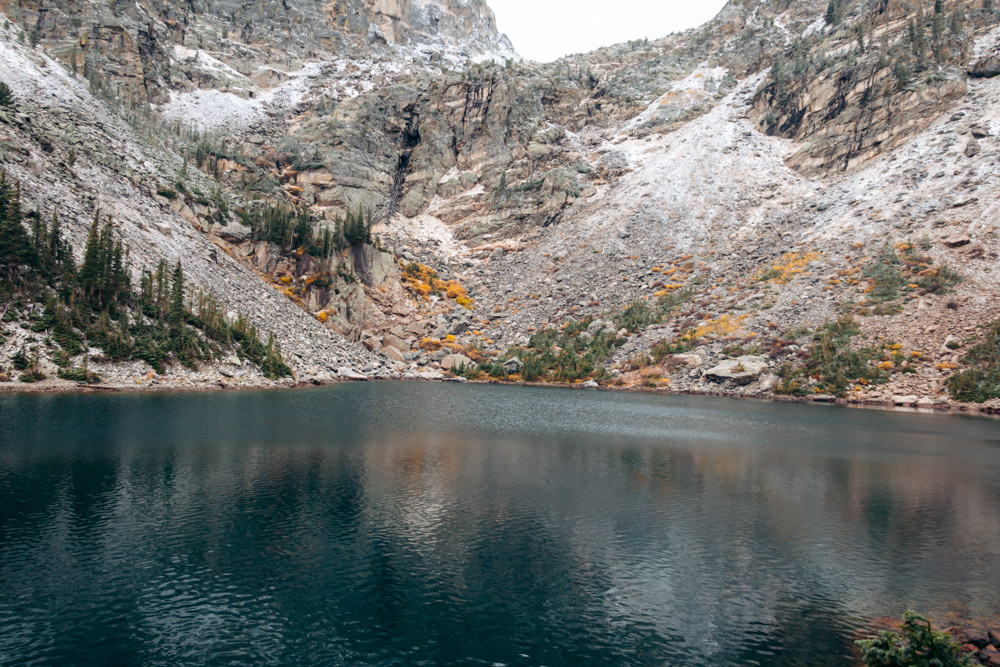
545 30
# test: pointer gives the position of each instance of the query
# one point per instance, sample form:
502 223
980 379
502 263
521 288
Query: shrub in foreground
917 646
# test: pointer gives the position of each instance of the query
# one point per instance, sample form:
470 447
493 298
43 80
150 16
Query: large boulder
420 328
454 362
393 353
390 340
346 373
689 360
740 371
233 232
601 326
513 366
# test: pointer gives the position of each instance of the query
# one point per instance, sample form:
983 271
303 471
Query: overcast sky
544 30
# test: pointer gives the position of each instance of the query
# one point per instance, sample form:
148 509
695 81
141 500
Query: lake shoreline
68 387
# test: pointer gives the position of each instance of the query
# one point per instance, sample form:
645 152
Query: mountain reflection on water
391 523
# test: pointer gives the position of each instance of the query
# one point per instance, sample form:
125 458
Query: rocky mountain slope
692 213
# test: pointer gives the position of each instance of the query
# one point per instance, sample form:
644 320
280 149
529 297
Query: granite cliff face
140 51
745 180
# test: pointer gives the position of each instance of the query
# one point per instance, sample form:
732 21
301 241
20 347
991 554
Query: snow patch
297 88
815 27
37 77
212 110
425 228
452 174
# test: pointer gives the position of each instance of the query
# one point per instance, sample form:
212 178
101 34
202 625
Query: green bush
636 316
918 646
887 279
942 280
79 375
6 97
981 382
832 362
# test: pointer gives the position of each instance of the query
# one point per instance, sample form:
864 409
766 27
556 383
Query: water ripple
396 524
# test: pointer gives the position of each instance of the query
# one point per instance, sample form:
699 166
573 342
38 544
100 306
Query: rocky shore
218 380
985 647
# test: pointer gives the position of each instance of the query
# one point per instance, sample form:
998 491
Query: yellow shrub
722 326
322 316
430 344
790 265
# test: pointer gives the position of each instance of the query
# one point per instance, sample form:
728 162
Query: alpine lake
405 523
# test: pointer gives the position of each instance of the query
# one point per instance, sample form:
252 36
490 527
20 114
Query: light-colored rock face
986 59
469 23
740 371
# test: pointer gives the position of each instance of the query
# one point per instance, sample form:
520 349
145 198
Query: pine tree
39 232
6 97
90 272
118 277
918 39
832 15
16 249
54 243
160 297
106 252
340 234
303 230
177 296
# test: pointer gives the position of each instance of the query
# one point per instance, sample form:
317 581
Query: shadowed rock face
852 114
895 81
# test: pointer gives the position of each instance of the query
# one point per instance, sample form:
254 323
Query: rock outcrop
740 371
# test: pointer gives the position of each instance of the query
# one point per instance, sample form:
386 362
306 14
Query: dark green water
401 524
